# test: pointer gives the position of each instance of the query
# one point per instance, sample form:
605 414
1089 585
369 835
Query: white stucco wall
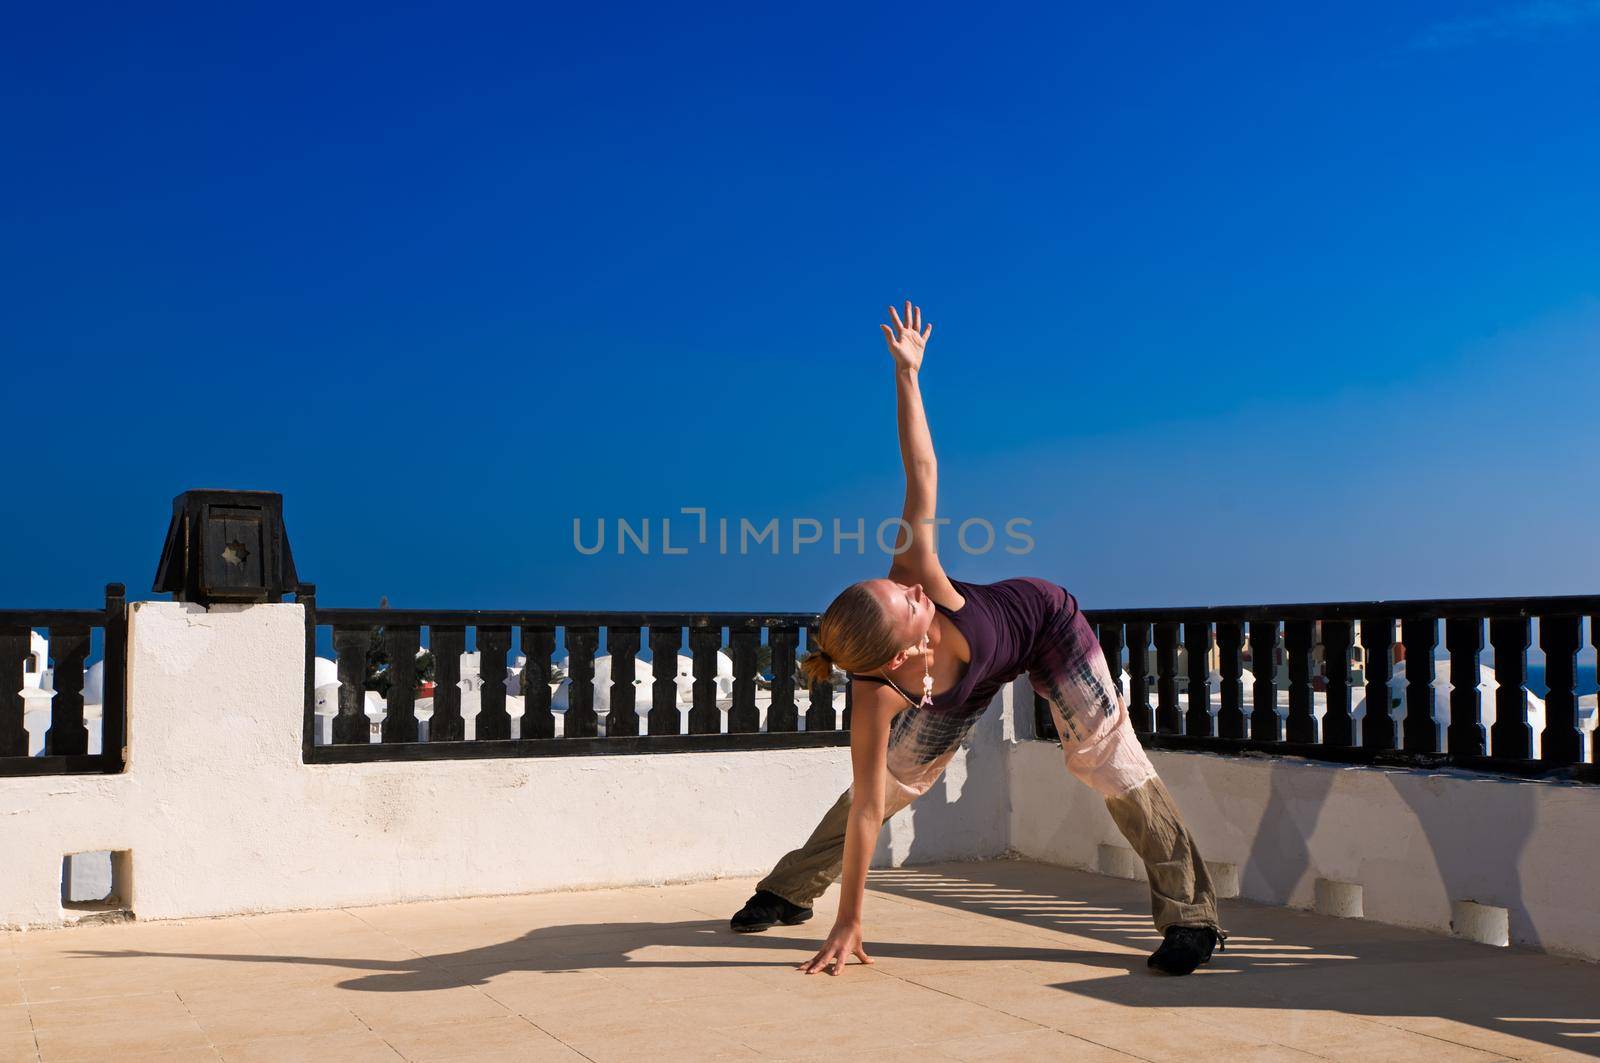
221 816
1418 843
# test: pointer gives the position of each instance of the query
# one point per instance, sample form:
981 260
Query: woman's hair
855 634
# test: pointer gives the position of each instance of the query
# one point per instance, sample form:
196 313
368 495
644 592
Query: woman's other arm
869 744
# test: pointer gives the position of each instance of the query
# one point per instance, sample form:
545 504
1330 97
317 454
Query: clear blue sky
1235 303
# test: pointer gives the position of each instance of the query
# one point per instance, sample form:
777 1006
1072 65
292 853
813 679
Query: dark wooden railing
1333 631
796 715
66 741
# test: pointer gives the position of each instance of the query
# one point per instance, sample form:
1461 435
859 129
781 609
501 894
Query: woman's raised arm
916 561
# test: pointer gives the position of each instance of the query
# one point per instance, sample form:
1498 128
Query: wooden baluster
1139 712
849 703
494 722
305 595
1511 736
400 720
704 715
1197 647
744 643
1302 723
819 714
1420 729
665 716
113 695
1265 723
350 645
538 646
1338 729
1377 726
1109 635
15 647
1044 722
782 716
1463 637
1168 719
447 643
581 721
69 648
622 643
1594 640
1230 687
1560 637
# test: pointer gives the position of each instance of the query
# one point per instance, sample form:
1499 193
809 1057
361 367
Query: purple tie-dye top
1007 625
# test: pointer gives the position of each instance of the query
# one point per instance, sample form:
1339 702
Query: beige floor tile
504 1038
615 1017
1578 1049
423 1005
149 1007
521 990
1517 1040
18 1046
108 1040
14 1018
679 983
1029 1045
315 1048
230 1015
841 1036
1363 1040
629 1039
97 983
1159 1034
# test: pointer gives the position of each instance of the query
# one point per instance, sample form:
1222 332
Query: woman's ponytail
817 666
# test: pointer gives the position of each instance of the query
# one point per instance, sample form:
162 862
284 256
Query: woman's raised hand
907 338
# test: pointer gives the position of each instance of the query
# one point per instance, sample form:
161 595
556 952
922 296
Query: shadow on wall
1449 836
1280 857
964 815
1452 833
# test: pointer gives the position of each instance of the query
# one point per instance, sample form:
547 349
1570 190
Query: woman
928 654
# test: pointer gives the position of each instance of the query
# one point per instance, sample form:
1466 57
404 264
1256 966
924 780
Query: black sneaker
766 909
1185 948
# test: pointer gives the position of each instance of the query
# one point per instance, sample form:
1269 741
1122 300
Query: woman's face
909 609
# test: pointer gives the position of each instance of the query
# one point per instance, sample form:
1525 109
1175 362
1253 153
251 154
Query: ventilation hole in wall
96 881
1483 923
1341 899
1224 879
1120 862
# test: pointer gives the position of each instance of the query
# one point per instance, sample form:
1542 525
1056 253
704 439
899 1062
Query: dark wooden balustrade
70 633
1282 657
643 714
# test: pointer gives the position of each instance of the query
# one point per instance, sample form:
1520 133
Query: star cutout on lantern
235 553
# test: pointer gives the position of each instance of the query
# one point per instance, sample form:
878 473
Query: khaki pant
1100 749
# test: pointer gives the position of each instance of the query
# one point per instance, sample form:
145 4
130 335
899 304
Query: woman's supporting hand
843 942
907 339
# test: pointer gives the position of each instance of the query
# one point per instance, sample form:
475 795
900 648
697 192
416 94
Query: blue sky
1253 304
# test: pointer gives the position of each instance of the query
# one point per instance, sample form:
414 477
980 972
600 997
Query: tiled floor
988 961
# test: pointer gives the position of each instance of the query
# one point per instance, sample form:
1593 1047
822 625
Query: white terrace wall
1428 849
220 816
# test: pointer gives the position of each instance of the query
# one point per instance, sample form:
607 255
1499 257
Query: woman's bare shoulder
931 575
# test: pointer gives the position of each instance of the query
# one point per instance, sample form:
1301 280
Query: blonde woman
928 653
